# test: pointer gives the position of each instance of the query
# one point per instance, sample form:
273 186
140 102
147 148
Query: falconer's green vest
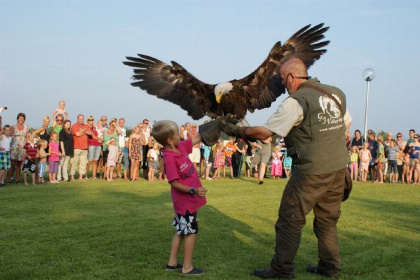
317 145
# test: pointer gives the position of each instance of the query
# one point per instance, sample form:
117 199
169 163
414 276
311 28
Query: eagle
255 91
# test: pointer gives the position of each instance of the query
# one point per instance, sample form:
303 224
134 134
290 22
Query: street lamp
368 75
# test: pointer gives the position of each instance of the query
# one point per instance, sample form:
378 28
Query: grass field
121 230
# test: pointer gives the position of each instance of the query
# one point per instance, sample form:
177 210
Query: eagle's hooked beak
219 97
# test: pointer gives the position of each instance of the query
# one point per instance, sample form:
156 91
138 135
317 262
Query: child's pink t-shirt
54 148
179 167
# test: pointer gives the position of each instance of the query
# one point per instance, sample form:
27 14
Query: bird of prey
255 91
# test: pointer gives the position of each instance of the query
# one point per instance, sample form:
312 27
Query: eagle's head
221 89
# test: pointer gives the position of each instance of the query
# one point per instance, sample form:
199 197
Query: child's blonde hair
61 101
42 143
163 130
52 134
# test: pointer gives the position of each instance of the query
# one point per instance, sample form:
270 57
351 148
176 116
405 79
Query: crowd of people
378 157
106 151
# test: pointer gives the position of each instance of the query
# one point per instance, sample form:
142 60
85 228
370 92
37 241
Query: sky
73 51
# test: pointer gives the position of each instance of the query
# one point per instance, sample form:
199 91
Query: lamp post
368 75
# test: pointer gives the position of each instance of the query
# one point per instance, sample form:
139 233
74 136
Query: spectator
54 152
392 161
208 159
411 133
387 144
80 132
5 140
19 132
121 145
94 149
112 157
195 155
187 129
126 161
357 140
373 147
218 159
42 160
181 132
400 157
354 159
152 161
262 157
365 158
237 157
287 165
229 149
30 150
276 163
57 125
146 129
283 151
60 110
414 152
112 131
67 151
135 151
380 161
44 131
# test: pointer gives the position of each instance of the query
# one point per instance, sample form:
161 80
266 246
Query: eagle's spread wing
256 91
264 85
173 83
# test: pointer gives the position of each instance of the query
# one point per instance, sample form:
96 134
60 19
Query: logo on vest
330 114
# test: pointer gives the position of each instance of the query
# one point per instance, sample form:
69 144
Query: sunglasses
59 120
90 120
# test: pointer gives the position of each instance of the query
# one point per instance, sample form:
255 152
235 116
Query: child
287 165
5 140
126 160
380 161
112 157
54 152
42 163
60 110
393 151
218 159
276 163
152 160
406 169
229 149
354 158
29 151
365 157
208 158
188 195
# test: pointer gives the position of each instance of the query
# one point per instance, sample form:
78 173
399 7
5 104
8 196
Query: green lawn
121 230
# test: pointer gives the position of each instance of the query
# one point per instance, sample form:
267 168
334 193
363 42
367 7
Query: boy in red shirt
30 151
187 193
